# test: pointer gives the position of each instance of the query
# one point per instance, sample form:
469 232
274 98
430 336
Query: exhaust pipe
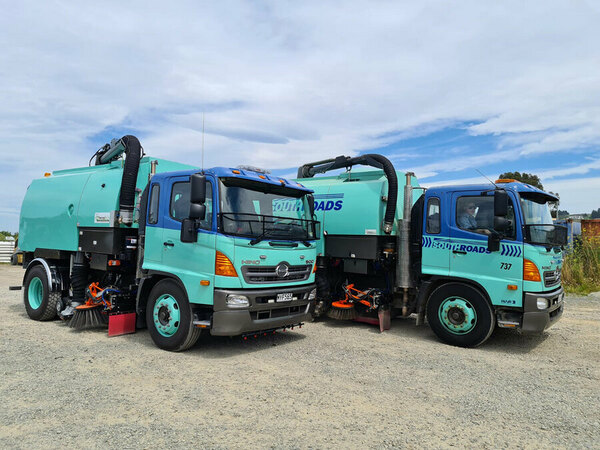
403 266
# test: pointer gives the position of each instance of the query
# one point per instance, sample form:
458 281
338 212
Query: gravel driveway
330 384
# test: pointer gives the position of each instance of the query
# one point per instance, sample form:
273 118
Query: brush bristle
342 313
87 318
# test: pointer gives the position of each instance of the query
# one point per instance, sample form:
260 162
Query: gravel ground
330 384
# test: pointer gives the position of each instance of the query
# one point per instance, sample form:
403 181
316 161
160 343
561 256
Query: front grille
277 312
551 277
269 274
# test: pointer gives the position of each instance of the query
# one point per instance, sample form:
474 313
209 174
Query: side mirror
198 188
189 231
500 203
493 244
311 204
197 212
501 224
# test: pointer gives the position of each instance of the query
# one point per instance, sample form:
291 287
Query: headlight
542 303
313 294
237 301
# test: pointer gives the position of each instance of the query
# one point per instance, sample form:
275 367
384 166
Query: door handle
168 244
459 252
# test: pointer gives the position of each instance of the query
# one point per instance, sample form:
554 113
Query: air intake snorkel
130 145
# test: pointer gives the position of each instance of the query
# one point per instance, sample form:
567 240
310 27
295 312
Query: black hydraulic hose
133 151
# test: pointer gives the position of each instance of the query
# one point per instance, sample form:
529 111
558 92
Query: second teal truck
467 257
173 247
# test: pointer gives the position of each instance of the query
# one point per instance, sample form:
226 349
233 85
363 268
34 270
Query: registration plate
285 297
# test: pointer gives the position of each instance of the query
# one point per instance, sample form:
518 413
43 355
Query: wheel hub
457 315
166 315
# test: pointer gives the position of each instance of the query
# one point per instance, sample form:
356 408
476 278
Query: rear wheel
40 302
460 315
169 317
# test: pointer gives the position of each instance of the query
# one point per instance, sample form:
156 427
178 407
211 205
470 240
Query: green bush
581 268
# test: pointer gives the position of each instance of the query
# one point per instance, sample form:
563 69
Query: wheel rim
457 315
166 315
35 293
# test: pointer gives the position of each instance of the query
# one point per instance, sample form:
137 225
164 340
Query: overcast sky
441 88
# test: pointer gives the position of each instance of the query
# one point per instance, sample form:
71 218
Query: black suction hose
392 197
133 151
374 160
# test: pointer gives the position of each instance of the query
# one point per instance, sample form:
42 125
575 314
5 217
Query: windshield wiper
260 237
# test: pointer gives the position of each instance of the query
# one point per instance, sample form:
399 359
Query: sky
443 89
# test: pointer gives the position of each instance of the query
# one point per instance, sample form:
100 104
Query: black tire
460 315
40 302
186 334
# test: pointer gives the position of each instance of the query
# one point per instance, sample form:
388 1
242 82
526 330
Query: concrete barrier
6 250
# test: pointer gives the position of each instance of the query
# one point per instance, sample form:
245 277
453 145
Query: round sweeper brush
88 316
342 310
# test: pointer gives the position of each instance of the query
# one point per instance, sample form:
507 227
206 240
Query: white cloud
285 83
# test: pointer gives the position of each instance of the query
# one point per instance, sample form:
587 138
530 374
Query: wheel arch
56 281
437 281
145 287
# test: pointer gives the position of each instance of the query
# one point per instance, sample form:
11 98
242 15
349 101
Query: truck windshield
539 227
264 211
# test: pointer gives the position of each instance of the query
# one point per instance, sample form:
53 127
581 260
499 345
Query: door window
179 208
476 214
153 212
433 216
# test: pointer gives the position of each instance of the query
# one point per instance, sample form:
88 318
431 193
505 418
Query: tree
596 214
563 214
524 177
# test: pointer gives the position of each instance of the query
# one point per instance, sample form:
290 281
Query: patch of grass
581 268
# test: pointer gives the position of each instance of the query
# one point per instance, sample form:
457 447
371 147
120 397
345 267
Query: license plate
285 297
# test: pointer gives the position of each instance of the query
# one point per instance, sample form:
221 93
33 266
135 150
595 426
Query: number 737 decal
505 266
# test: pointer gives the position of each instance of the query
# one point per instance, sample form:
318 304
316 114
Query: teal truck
177 248
469 258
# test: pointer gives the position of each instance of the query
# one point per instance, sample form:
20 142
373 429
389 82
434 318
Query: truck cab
499 242
246 266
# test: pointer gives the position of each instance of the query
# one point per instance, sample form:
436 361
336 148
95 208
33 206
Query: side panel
49 212
494 271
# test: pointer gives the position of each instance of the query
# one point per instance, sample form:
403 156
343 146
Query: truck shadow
502 340
512 342
221 347
401 327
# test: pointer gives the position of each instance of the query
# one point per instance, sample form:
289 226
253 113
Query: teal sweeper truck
466 257
132 240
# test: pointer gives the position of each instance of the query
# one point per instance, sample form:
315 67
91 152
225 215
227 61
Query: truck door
500 273
192 262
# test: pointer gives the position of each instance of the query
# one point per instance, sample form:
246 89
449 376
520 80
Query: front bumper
261 314
536 320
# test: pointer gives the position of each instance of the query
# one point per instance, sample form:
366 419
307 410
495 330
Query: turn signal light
315 269
530 271
223 266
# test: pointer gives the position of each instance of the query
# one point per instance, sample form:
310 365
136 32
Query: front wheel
169 317
460 315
